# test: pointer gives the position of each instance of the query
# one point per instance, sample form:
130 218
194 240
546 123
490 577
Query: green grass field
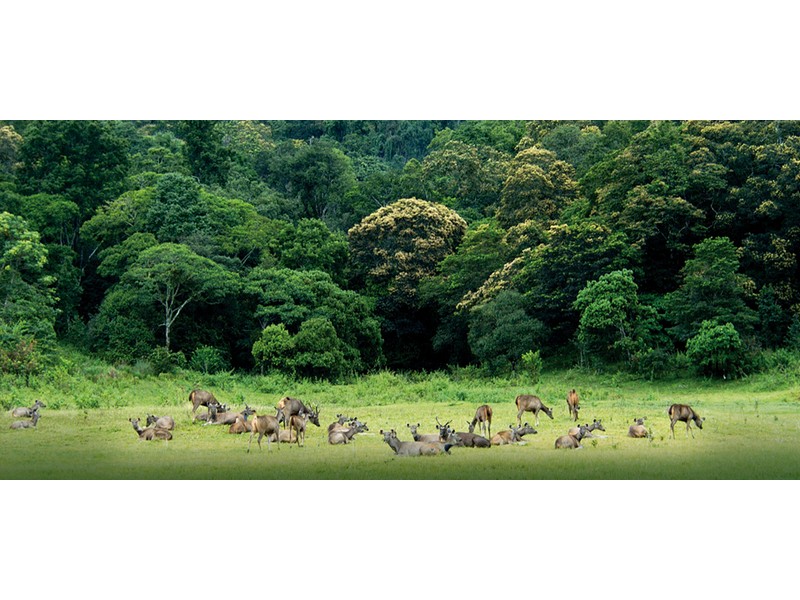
752 429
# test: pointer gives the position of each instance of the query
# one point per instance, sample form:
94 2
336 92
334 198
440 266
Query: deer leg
672 428
688 429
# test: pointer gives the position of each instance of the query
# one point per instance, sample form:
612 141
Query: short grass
752 428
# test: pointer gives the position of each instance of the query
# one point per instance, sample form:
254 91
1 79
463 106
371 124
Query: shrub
164 361
208 359
532 365
717 350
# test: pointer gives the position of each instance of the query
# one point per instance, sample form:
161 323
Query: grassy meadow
752 427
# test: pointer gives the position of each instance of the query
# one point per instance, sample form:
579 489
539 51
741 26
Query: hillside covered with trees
325 249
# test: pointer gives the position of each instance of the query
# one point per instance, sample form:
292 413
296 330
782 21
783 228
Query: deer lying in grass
242 425
165 422
22 411
264 425
27 424
414 448
422 437
596 424
534 404
292 406
683 412
339 423
150 433
512 435
228 417
572 441
573 403
483 417
638 430
200 398
214 410
339 436
461 438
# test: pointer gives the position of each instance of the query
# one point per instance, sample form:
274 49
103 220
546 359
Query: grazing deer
638 430
572 441
534 404
512 435
292 406
150 433
200 398
343 437
414 448
27 424
483 416
573 403
22 411
165 422
683 412
420 437
264 425
596 424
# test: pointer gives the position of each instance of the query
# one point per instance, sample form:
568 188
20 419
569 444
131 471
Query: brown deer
150 433
483 417
572 441
685 413
200 398
512 435
22 411
461 438
298 424
165 422
638 430
339 423
343 437
422 437
534 404
414 448
242 425
27 424
596 424
292 406
264 425
228 417
573 403
214 410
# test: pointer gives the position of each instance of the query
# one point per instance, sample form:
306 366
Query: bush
208 359
652 363
717 350
164 361
532 365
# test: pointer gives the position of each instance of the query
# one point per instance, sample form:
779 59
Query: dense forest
325 249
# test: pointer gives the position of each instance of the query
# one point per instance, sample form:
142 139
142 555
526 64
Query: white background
411 60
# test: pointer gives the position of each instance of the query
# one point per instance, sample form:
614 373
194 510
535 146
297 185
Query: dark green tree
208 159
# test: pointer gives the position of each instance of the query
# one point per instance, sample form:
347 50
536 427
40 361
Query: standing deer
414 448
22 411
638 430
573 403
572 441
200 398
165 422
150 433
685 413
483 417
27 424
298 424
264 425
534 404
512 435
292 406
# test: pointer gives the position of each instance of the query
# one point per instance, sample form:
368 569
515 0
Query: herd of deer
294 415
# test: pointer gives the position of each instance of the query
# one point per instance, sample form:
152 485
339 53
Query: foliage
208 359
274 349
717 350
532 365
164 361
500 332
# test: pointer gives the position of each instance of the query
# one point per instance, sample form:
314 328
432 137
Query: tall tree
208 158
